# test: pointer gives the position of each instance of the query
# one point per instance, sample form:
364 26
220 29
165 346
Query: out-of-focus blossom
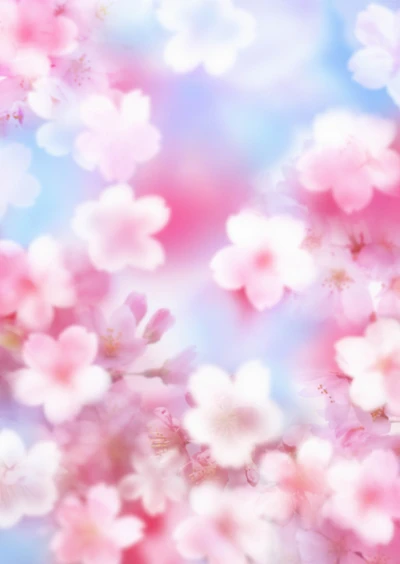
328 545
376 64
32 32
27 478
53 100
373 362
156 479
118 343
118 229
18 188
207 32
365 496
232 416
91 531
35 282
350 156
59 373
341 289
265 258
116 138
296 485
227 527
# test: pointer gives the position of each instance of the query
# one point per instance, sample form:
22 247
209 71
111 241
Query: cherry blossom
366 495
296 485
350 156
59 373
156 479
376 64
232 416
27 478
32 32
91 531
118 343
118 229
264 258
341 289
372 361
227 527
35 282
19 188
327 546
116 138
208 33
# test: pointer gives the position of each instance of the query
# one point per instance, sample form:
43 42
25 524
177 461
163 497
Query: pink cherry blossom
265 257
118 343
341 289
296 485
373 363
36 282
118 229
59 373
156 479
26 478
232 416
203 468
327 546
365 496
19 188
91 531
350 156
376 64
117 138
227 527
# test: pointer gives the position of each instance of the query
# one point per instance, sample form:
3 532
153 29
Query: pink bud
252 475
159 323
189 399
137 304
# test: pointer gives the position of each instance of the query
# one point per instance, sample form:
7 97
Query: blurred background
224 141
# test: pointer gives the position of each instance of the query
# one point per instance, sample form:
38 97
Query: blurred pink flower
296 484
53 100
341 289
117 139
376 64
26 478
34 282
91 531
118 343
365 496
208 33
227 527
156 479
232 416
265 257
351 156
118 229
59 374
373 362
327 546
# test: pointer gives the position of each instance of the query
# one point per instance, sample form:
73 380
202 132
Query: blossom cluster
139 451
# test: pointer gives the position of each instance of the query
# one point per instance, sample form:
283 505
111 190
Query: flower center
338 280
111 343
